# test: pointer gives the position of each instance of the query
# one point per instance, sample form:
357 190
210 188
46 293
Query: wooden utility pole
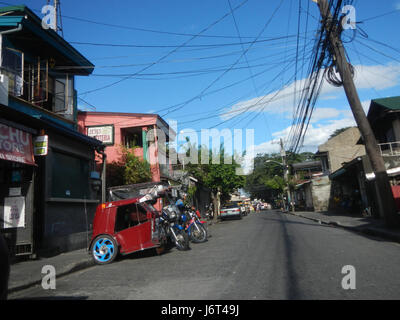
286 176
386 201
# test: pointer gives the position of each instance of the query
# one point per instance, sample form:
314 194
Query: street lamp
285 177
281 164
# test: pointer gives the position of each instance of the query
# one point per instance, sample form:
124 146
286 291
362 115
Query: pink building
148 133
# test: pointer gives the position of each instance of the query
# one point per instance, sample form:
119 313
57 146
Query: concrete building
49 186
312 190
342 148
353 186
148 135
320 182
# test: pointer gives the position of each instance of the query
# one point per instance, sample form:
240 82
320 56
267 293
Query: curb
74 267
365 230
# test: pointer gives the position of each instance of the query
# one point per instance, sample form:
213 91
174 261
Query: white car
230 211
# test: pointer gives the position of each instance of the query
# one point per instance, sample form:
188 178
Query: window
12 66
34 82
70 176
129 216
59 95
132 139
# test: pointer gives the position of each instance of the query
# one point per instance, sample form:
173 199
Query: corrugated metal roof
12 8
11 21
389 103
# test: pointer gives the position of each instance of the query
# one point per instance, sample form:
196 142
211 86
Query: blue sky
214 74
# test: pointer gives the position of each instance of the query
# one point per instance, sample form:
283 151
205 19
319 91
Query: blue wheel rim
103 250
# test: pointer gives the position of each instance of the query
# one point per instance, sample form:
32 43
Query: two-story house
147 134
49 186
384 118
320 182
353 187
311 191
341 157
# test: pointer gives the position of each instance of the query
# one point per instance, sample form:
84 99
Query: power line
168 54
204 45
233 65
220 89
314 82
148 30
380 16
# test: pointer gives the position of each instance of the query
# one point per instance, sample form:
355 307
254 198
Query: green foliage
216 176
275 183
338 131
266 182
136 169
190 195
129 169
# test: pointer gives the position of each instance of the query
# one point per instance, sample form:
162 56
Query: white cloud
325 113
325 120
316 135
281 101
377 77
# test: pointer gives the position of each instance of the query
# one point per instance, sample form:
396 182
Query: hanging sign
103 133
41 145
16 145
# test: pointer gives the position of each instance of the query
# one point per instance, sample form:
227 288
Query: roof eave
34 24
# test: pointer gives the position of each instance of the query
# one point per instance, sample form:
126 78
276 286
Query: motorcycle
196 228
173 223
209 212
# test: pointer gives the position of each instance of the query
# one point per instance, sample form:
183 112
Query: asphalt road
268 255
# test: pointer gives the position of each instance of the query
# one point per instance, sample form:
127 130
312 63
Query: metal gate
16 206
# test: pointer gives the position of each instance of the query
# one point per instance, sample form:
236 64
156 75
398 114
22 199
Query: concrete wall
123 121
342 148
321 190
309 197
68 226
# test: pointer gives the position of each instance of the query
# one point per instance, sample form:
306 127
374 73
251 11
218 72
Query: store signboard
14 212
41 145
103 133
16 145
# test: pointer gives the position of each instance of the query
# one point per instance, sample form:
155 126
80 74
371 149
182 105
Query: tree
338 131
266 182
218 174
263 183
129 169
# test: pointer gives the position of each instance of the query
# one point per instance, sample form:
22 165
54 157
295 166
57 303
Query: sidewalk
25 274
366 225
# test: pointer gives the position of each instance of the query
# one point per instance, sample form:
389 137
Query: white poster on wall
14 212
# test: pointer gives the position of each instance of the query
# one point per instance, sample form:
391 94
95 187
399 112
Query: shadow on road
292 290
277 220
142 254
54 298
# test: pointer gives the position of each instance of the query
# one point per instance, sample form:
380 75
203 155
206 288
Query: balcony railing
390 148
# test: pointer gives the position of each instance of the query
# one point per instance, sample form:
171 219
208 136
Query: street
267 255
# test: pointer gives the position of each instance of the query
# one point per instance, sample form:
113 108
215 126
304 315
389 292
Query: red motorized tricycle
125 226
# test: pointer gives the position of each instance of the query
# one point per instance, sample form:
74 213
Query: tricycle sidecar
124 226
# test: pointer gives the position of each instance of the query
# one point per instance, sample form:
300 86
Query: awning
16 145
299 185
390 172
